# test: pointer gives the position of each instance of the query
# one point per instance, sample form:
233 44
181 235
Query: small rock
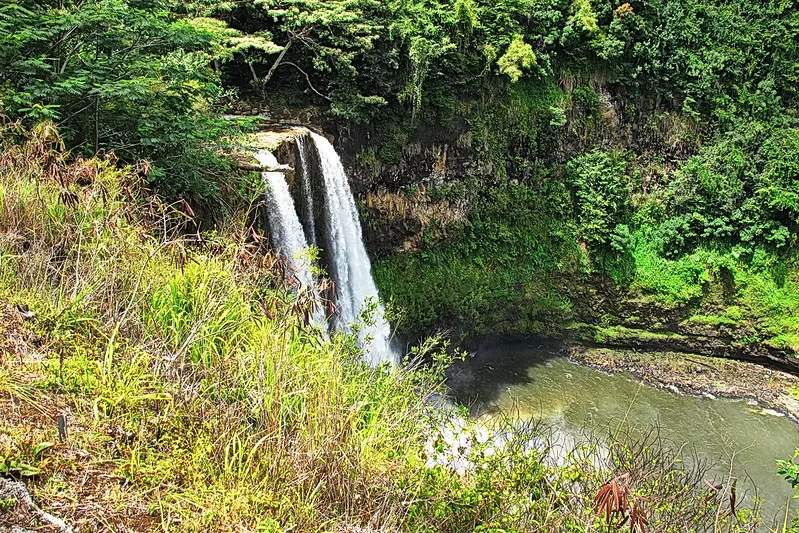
25 312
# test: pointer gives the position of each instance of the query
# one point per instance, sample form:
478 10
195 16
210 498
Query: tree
130 76
518 58
602 200
465 40
331 32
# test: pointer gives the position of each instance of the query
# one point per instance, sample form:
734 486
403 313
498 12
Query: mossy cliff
561 212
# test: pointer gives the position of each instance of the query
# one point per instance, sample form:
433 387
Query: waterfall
285 227
348 263
307 192
329 220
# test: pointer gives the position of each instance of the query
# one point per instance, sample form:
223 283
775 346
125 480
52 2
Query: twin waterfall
329 221
285 227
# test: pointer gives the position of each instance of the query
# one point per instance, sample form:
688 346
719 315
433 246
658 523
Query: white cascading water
349 264
307 191
286 229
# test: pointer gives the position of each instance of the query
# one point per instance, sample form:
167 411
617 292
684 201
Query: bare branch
308 78
277 62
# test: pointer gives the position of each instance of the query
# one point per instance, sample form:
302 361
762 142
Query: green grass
189 371
756 299
197 398
671 281
618 334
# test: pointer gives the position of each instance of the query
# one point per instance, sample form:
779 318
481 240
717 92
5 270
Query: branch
67 58
252 71
307 78
277 62
61 40
81 110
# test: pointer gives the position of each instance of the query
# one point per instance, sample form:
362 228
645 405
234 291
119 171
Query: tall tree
131 76
331 33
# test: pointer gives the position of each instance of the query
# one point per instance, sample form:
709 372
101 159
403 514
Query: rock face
605 315
398 185
22 515
395 222
402 193
431 158
278 140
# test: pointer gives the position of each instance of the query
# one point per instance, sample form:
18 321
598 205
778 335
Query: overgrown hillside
601 158
616 173
194 397
636 185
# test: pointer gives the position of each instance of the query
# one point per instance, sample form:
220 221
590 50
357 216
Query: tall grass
199 398
171 341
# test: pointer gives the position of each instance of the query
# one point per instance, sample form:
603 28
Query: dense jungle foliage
646 147
198 398
661 136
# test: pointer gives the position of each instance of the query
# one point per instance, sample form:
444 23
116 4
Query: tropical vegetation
637 153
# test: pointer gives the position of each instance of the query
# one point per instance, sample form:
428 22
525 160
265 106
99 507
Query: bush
132 78
601 192
739 191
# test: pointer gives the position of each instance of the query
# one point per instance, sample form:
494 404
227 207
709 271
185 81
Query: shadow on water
491 368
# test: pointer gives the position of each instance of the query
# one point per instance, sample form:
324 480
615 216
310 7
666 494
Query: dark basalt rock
385 234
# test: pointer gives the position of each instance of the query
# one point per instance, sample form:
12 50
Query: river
534 382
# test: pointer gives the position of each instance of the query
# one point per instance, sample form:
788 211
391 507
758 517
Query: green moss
523 115
712 320
495 274
620 334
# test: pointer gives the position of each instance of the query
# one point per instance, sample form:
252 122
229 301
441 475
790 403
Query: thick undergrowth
612 237
154 381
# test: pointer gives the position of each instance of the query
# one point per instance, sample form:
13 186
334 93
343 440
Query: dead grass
76 484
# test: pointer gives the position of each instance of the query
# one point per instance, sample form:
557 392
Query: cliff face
426 202
610 315
402 207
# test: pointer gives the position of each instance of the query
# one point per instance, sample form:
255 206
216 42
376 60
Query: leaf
517 58
41 448
612 498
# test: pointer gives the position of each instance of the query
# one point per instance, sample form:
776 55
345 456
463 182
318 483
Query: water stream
348 263
304 171
284 224
533 382
335 227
